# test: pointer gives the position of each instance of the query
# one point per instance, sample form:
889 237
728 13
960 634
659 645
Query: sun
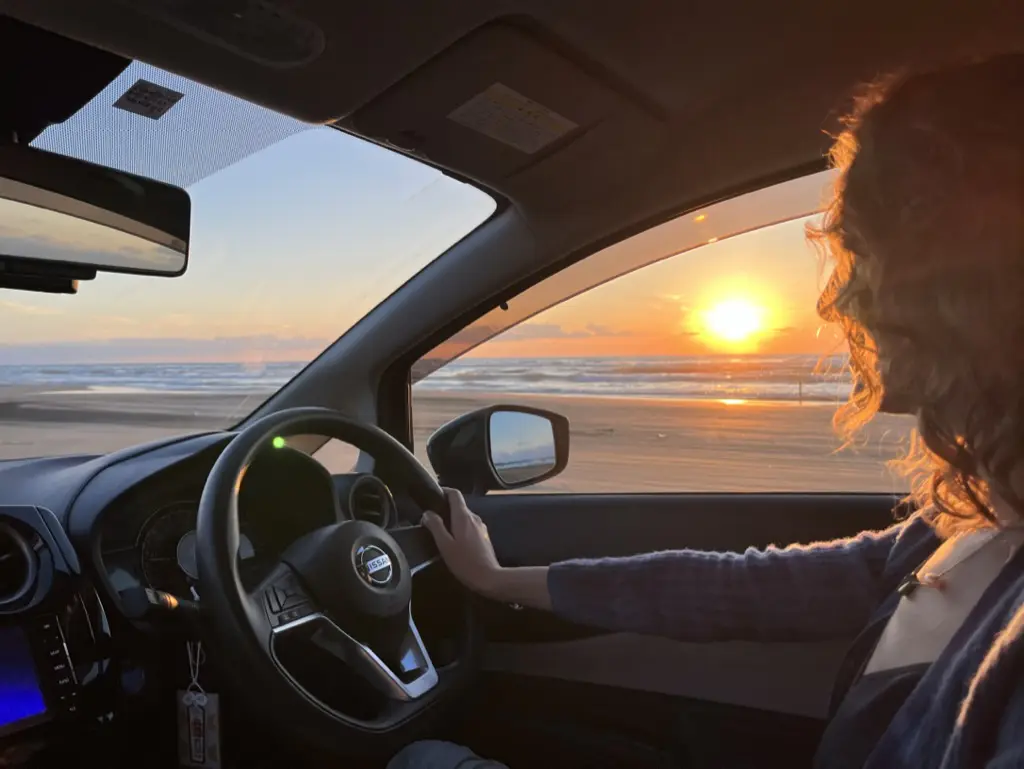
734 320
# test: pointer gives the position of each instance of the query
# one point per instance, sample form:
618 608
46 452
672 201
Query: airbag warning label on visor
511 118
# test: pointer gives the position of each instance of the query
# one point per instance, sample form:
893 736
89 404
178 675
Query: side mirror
499 447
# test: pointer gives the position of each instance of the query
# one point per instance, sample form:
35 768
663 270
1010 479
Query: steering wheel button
274 600
48 626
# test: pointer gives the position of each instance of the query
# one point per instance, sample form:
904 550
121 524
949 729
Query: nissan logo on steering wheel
374 565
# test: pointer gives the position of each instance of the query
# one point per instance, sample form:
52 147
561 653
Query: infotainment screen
21 699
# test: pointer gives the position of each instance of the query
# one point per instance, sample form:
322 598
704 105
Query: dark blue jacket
967 712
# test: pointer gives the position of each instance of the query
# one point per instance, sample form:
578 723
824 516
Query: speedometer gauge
186 553
167 548
158 543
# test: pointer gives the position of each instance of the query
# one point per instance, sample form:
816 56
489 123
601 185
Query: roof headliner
678 102
694 98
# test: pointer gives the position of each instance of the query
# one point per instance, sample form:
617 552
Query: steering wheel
346 588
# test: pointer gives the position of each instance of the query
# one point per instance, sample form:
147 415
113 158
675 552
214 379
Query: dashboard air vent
18 566
370 500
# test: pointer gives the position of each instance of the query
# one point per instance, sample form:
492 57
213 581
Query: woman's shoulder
913 541
916 530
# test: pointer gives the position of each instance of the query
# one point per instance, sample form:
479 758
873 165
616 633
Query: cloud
28 309
162 350
555 331
119 319
473 335
540 331
599 330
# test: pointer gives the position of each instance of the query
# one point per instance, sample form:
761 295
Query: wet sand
617 445
46 421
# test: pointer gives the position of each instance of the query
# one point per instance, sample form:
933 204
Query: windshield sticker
148 99
511 118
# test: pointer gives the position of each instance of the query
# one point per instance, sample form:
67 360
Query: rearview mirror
500 447
63 220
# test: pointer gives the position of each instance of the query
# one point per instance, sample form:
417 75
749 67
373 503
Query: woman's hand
466 549
469 554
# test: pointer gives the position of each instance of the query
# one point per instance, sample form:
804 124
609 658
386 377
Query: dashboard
167 549
148 536
77 532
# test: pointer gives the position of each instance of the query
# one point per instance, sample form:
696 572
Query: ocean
127 378
751 377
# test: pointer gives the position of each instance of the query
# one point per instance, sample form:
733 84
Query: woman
926 229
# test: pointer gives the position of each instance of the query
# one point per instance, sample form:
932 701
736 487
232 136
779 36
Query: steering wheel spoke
398 667
417 545
282 600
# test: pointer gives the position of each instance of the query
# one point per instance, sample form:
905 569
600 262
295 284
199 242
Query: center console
54 638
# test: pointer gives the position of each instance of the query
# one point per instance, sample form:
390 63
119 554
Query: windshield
297 232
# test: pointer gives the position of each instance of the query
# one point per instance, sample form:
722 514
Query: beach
641 445
48 421
618 444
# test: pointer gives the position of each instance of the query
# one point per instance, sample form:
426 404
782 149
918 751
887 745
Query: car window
706 371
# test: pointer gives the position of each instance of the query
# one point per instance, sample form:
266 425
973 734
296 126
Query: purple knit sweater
968 710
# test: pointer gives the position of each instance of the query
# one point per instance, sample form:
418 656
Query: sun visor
518 113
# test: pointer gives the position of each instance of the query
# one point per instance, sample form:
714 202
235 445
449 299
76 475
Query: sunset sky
297 232
294 243
770 278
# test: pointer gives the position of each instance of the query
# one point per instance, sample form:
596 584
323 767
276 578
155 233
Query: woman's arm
802 592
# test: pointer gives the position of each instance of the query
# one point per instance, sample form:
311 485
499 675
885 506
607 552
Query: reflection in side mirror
499 448
522 446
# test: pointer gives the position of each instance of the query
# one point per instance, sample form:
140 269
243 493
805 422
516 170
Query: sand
627 445
617 445
46 421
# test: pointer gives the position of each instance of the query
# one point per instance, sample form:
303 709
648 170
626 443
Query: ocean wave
165 378
789 378
802 377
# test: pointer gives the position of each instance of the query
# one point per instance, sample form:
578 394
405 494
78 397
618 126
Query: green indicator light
278 442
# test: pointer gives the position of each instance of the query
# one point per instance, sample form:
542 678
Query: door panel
721 697
537 530
537 723
737 673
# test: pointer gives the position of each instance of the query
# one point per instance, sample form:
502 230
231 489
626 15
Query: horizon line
464 358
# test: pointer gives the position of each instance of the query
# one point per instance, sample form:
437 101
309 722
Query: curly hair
926 229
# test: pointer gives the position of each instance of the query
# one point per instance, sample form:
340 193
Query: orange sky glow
751 294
